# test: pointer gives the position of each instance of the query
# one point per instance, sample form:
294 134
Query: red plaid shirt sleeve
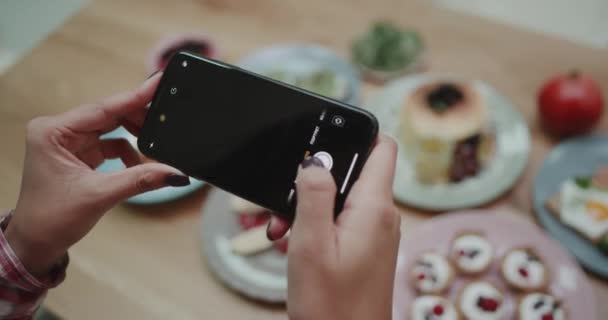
21 293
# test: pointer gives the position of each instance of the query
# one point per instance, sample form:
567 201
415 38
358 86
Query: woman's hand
62 196
344 269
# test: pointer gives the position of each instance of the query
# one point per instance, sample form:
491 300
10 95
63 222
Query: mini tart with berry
540 306
523 269
446 132
431 273
431 307
481 300
471 253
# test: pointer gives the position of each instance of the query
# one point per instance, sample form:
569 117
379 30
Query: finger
108 114
139 179
316 193
369 205
120 148
277 228
376 178
132 128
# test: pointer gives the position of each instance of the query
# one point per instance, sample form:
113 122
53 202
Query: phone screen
248 135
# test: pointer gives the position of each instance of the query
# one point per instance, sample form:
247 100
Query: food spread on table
448 128
446 131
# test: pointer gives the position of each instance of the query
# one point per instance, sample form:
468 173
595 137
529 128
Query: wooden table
145 262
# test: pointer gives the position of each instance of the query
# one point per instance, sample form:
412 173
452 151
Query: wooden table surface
145 262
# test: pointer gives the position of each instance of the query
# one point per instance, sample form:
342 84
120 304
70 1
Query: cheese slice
251 241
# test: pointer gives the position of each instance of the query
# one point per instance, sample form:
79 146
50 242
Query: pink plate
504 231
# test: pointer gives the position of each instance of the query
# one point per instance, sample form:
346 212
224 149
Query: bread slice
251 241
553 204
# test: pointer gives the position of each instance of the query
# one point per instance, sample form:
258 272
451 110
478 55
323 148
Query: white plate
152 197
262 276
512 147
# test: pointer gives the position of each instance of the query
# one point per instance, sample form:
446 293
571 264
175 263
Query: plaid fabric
20 292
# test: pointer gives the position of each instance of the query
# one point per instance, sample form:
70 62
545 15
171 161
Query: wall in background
25 22
582 21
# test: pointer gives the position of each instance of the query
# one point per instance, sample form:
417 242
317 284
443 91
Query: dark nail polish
268 233
177 180
153 73
312 161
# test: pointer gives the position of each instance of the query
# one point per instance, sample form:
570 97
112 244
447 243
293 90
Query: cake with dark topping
446 132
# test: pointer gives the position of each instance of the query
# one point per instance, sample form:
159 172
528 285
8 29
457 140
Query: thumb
316 193
142 178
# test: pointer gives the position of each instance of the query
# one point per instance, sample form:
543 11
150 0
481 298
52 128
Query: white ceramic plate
512 147
157 196
260 277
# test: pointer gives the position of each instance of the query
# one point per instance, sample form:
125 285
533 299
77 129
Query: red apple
570 104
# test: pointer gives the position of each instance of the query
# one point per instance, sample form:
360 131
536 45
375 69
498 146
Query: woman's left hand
62 196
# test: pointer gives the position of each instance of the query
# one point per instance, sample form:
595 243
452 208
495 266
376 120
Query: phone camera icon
325 158
337 121
173 90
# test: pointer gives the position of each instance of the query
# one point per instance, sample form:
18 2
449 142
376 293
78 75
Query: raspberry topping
523 272
488 304
421 276
547 316
438 310
461 252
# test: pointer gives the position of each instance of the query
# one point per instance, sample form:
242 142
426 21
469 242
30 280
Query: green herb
583 182
386 47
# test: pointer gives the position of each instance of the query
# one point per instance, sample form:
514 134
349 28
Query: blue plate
152 197
575 157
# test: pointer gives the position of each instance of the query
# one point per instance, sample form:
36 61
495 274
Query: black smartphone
248 134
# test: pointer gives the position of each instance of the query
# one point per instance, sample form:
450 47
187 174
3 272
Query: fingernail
312 161
268 233
153 73
177 180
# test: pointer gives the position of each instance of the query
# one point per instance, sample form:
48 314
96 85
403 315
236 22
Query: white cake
445 129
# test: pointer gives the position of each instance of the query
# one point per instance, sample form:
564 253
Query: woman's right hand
344 268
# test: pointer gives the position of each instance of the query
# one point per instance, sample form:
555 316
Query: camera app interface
248 136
